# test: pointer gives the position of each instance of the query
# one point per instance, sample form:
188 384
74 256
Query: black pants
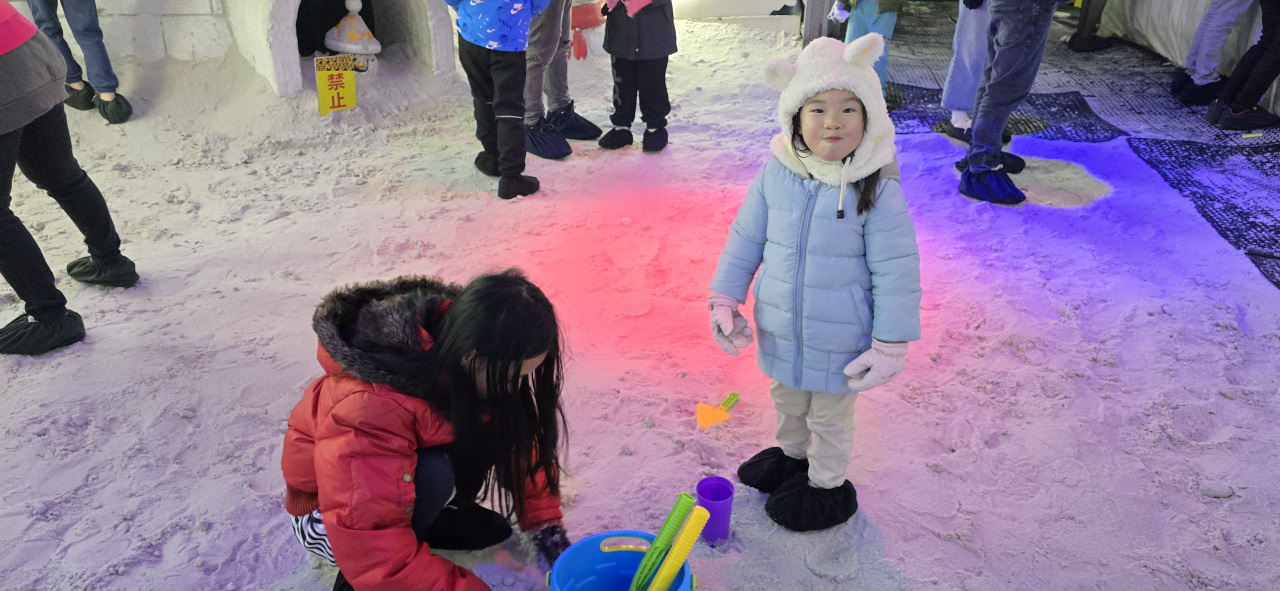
432 487
648 78
1258 67
42 149
497 91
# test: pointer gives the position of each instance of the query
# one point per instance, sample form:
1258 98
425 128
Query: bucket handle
624 543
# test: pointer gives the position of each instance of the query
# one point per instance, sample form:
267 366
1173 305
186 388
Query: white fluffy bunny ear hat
828 64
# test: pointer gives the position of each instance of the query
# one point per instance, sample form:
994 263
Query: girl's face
832 124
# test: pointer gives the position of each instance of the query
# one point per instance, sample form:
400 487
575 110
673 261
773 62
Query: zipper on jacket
801 248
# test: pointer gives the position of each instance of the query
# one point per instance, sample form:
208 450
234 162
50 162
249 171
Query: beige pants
818 426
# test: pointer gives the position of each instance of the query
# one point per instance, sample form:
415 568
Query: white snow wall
150 30
1167 28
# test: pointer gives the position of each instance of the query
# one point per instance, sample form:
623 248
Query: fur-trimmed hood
366 328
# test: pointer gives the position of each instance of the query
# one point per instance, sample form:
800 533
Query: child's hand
551 541
882 363
728 327
838 13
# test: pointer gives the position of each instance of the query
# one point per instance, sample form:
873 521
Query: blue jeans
866 18
968 58
82 15
1016 40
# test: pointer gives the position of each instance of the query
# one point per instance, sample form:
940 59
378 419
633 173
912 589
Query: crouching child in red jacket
434 397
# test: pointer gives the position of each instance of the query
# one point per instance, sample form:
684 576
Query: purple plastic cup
715 494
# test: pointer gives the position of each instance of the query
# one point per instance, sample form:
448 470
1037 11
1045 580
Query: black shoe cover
116 110
992 186
467 526
798 506
116 272
767 470
487 163
1012 164
80 100
545 141
572 125
512 187
28 336
654 139
617 138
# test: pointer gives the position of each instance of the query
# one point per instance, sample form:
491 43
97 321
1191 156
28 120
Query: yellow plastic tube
662 542
680 549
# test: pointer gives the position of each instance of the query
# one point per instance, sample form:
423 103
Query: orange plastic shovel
714 415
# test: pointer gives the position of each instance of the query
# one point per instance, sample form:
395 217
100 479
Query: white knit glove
881 364
728 327
838 13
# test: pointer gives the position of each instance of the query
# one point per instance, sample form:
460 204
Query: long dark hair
496 323
866 187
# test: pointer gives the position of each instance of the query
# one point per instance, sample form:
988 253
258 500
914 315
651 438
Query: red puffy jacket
351 451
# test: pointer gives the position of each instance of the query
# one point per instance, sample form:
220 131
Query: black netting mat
1235 188
1059 116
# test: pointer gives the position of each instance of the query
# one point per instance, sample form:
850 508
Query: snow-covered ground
1093 404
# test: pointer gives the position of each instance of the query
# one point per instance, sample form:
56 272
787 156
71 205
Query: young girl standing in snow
433 396
838 292
640 35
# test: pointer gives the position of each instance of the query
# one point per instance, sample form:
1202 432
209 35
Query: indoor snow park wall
151 30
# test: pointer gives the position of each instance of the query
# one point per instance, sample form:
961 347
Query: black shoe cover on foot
116 272
767 470
27 336
654 139
1254 118
616 138
992 186
80 100
116 110
512 187
544 141
798 506
572 125
467 526
1012 164
487 163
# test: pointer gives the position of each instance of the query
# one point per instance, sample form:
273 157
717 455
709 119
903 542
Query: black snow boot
1012 164
80 100
767 470
464 525
572 125
117 271
617 138
27 336
1254 118
1198 95
487 162
798 506
511 187
992 186
654 140
116 110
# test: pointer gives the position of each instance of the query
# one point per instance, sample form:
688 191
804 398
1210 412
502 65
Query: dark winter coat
650 34
32 72
351 445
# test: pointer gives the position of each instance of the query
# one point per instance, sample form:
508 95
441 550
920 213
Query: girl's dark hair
496 323
866 187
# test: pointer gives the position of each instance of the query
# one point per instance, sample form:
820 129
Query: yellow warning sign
336 83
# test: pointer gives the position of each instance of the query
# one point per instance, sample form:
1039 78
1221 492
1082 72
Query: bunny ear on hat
779 74
865 50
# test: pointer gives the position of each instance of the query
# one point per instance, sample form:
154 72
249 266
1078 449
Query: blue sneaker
572 125
544 141
992 186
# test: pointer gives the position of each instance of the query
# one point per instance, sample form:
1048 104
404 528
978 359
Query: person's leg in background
82 16
542 137
475 65
968 58
655 104
1015 46
507 73
560 108
624 105
1085 39
1257 70
47 324
1200 83
867 18
45 14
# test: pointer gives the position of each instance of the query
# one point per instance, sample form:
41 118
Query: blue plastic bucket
607 562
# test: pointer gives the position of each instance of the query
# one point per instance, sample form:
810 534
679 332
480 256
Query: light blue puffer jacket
501 25
825 285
